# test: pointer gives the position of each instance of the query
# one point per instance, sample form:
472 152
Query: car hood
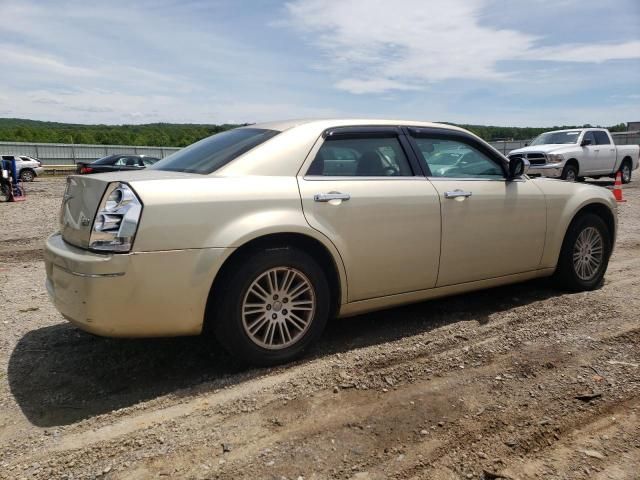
551 148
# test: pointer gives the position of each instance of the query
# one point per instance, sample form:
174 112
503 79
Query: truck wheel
272 307
585 254
570 173
625 170
27 175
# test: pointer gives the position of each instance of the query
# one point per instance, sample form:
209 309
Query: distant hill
183 134
155 134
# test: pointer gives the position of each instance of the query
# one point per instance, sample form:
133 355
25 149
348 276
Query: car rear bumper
552 170
147 294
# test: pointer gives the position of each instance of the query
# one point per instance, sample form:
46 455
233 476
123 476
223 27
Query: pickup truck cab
577 153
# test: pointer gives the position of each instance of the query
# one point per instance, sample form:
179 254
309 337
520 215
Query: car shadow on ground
60 375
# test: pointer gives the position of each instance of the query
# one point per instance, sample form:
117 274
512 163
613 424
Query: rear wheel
570 173
272 307
585 254
27 175
625 170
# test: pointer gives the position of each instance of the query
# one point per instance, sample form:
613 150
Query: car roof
343 122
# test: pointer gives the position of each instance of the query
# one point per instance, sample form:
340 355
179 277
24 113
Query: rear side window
589 136
208 155
601 137
374 156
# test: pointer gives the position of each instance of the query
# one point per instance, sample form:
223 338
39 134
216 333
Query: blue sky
507 62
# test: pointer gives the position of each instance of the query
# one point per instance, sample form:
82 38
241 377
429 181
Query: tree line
183 134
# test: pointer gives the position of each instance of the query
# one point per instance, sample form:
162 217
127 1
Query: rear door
362 188
606 155
491 227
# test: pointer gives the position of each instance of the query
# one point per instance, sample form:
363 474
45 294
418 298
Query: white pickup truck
578 153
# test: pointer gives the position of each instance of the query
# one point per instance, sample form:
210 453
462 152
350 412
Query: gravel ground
515 382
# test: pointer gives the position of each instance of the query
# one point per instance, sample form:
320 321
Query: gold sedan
261 233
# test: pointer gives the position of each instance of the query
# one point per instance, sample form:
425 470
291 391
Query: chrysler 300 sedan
260 234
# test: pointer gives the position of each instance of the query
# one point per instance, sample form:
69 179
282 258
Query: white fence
70 154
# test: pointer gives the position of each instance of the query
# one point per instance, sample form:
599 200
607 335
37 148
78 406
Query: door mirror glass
518 166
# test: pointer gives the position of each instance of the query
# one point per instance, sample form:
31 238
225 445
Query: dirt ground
518 382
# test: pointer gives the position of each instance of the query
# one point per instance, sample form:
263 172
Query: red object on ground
617 188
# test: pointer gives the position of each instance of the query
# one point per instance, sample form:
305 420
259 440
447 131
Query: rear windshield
106 160
211 153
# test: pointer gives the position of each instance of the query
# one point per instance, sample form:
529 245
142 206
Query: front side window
212 153
455 159
375 156
601 137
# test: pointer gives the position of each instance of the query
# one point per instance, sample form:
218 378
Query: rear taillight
39 164
117 219
86 170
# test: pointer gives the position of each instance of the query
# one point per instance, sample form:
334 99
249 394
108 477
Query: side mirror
585 142
526 144
518 166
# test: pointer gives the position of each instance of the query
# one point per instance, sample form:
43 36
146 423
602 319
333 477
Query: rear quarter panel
221 212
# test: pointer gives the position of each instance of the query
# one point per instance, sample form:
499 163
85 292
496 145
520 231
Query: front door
491 227
362 192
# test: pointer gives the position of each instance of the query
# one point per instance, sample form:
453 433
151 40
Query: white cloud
590 53
373 46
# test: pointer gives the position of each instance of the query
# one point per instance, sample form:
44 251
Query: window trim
456 136
366 131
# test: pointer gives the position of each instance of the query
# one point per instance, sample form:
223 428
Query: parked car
577 153
261 233
114 163
28 167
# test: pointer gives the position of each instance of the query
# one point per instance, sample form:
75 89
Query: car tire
570 173
585 254
251 319
27 175
625 170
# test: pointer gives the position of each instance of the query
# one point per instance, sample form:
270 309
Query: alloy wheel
588 253
278 308
626 173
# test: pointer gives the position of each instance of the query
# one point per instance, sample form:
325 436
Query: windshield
213 152
549 138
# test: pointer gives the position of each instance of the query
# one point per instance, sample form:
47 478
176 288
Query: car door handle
457 194
327 197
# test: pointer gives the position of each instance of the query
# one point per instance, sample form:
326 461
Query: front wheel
570 173
585 254
27 176
272 307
